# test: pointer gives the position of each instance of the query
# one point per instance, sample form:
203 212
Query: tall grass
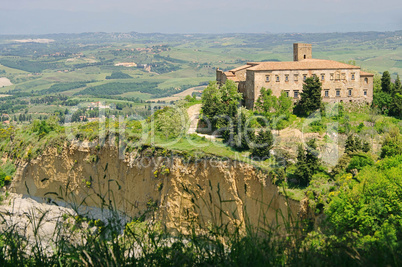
79 240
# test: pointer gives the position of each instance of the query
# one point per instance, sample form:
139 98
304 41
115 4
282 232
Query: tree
263 144
396 104
284 104
218 102
237 135
359 161
392 144
386 82
383 101
307 162
310 100
355 144
171 122
369 206
267 103
275 109
398 85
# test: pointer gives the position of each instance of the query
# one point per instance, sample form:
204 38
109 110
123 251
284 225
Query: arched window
365 80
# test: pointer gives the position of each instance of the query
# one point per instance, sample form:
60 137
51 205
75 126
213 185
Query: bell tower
302 51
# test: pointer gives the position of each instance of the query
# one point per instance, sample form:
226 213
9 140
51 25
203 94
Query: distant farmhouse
340 82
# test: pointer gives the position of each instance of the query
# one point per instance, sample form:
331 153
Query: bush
369 208
392 144
359 161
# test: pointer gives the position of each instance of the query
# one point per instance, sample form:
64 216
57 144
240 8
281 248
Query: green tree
308 163
355 144
276 110
238 135
398 85
392 144
386 82
263 144
369 206
171 122
267 103
396 104
383 101
359 161
218 102
377 83
310 100
284 104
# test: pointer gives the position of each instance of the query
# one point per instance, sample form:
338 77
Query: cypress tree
398 85
264 143
310 100
307 162
386 82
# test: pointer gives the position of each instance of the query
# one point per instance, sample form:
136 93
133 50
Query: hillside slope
207 191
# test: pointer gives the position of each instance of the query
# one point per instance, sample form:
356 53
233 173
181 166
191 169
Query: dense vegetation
118 75
62 87
34 66
388 97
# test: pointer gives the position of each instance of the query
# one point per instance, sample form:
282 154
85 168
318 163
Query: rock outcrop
181 191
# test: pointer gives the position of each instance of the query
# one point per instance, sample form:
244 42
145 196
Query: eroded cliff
180 190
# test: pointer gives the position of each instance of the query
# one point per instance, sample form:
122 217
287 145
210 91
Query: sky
198 16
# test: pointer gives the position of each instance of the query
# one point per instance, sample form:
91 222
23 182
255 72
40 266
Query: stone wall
334 80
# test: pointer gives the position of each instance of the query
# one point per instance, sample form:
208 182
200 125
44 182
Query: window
337 76
267 78
338 92
365 92
353 76
287 93
349 92
332 76
304 77
286 78
326 94
296 94
322 77
365 80
277 78
296 77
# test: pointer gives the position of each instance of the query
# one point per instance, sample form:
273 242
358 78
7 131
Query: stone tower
301 51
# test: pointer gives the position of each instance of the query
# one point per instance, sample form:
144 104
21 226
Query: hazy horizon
187 16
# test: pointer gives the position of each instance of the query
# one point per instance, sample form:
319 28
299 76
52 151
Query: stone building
340 82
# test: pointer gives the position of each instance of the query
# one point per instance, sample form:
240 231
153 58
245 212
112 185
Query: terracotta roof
241 68
362 73
235 79
229 74
306 64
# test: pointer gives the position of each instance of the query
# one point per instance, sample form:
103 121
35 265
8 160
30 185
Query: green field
168 63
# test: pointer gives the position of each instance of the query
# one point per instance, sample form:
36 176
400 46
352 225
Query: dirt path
194 116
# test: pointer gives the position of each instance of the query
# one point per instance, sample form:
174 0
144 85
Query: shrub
392 144
359 161
369 208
